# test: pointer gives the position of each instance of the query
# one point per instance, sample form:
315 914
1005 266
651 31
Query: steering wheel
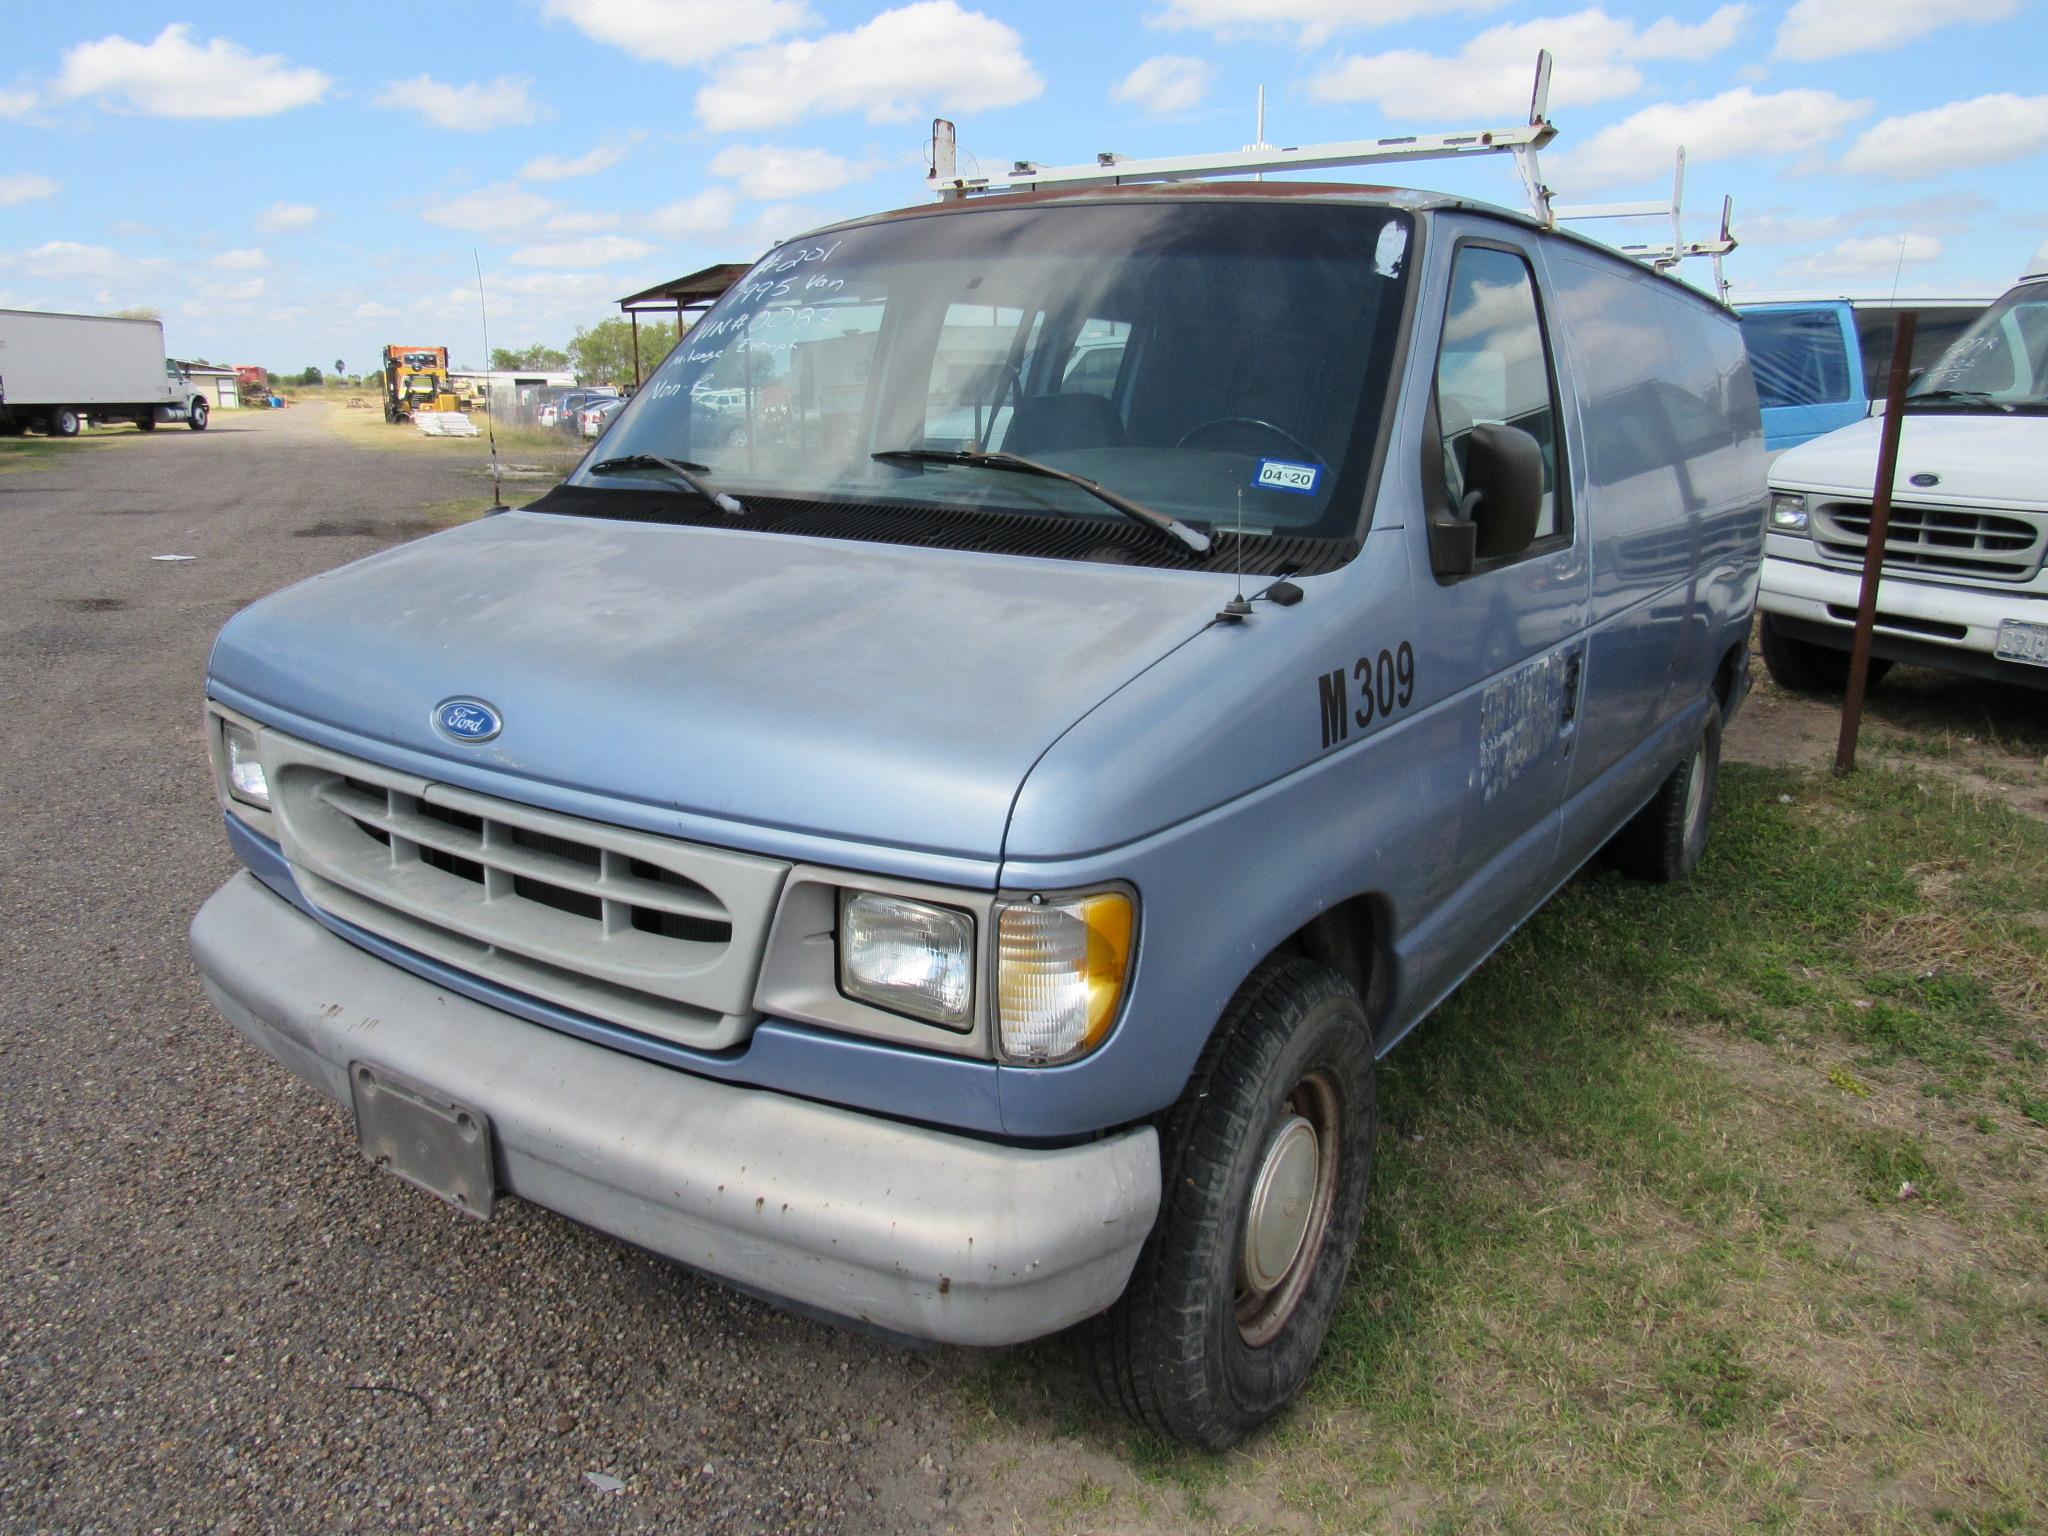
1282 433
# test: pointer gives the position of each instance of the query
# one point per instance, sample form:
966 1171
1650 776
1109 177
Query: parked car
1820 361
1964 586
971 893
596 417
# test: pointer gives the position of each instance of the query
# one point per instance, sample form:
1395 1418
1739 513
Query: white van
1964 587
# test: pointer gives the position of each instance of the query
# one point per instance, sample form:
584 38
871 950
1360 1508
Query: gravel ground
216 1315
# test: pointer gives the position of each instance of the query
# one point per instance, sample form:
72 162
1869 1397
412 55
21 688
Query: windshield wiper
1136 511
692 475
1959 397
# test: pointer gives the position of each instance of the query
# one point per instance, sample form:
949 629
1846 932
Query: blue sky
289 187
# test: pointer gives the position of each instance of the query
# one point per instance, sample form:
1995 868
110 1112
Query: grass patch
36 452
1637 1256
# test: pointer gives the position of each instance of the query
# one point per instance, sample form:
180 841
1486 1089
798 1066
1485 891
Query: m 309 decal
1384 684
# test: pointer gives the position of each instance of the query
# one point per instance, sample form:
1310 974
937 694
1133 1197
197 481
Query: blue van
1821 362
963 879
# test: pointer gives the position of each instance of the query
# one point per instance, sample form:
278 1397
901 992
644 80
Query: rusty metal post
1873 548
634 314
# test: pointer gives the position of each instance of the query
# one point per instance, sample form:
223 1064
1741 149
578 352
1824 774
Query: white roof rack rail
1666 256
1522 140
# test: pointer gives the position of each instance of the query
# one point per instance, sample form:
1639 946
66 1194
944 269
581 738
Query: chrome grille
659 935
1962 541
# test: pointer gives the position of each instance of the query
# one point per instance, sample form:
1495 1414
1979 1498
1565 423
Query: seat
1051 423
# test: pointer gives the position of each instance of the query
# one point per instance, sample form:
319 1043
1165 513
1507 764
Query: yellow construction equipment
416 379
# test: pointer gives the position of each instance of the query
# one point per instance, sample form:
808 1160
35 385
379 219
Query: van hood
865 692
1993 460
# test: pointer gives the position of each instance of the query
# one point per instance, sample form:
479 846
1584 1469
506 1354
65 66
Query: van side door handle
1573 665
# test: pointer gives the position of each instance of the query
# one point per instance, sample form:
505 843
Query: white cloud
245 260
175 77
681 31
895 68
473 108
1876 253
1311 21
778 221
370 309
1733 124
598 251
707 213
774 171
25 188
68 259
234 293
1827 29
602 158
1596 58
1170 83
282 218
16 104
500 208
1990 130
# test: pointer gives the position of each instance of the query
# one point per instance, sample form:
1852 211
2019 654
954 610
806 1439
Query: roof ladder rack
1664 257
1522 141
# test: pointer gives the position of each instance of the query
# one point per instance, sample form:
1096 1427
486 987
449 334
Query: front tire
1267 1159
196 420
1667 838
1801 666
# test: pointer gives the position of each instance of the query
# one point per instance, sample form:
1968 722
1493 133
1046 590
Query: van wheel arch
1351 938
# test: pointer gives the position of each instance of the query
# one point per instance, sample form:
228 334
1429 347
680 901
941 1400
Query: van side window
1493 367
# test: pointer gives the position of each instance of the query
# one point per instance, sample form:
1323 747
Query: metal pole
635 314
1873 549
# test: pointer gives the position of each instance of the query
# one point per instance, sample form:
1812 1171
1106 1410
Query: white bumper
1932 612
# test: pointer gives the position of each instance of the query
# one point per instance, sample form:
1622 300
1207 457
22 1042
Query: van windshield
1999 365
1207 359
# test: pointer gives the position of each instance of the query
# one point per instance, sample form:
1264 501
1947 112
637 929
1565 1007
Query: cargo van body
861 866
1820 361
1964 581
57 372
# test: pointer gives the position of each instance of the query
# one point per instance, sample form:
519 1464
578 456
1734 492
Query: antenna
490 416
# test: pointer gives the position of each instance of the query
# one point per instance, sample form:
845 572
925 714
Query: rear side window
1495 368
1797 355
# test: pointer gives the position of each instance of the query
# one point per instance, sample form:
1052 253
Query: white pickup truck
58 371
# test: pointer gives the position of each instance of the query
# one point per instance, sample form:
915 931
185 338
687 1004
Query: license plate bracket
425 1138
2023 642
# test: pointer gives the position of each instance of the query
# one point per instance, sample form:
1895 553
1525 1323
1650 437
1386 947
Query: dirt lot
1710 1209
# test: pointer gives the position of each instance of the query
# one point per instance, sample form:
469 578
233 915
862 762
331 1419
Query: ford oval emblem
1926 478
467 720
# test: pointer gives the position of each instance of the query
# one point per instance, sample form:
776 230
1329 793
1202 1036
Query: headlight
245 774
907 956
1788 512
1060 971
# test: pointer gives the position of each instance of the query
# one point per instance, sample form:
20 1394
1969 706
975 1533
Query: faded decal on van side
1519 715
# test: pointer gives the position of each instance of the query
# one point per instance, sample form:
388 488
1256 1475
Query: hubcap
1695 787
1288 1212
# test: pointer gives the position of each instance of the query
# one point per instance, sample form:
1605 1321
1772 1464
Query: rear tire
146 423
62 422
1665 840
197 419
1801 666
1266 1162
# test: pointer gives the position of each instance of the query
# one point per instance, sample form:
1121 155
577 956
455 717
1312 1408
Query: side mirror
1503 500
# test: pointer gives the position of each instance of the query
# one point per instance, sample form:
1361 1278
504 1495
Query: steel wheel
1288 1215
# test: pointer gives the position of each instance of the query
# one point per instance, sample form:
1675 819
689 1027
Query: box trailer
57 371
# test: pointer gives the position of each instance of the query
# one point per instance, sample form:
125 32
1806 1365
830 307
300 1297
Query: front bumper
1922 622
917 1231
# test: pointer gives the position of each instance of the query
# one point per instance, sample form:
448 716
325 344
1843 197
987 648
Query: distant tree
138 312
270 378
604 353
340 368
311 376
533 359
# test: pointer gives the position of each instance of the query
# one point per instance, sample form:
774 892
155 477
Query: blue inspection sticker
1281 475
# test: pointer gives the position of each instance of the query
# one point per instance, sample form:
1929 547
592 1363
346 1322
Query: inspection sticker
1280 475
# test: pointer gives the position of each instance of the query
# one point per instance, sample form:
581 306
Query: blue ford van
1821 362
962 878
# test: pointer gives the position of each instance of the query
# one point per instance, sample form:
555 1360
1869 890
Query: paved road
214 1315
